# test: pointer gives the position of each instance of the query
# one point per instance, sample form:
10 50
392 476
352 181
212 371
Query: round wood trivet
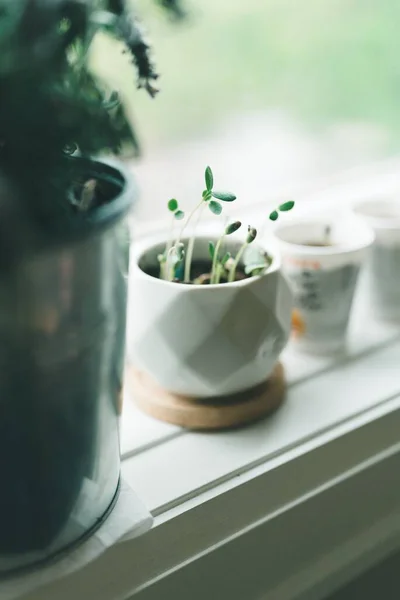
220 412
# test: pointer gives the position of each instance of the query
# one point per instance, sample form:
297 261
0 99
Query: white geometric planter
206 340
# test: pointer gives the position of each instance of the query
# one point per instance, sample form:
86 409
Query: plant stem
218 273
215 260
187 222
190 247
177 241
239 255
169 275
168 266
164 267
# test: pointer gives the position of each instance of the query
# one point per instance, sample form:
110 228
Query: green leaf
179 215
206 195
225 258
211 249
233 227
224 196
173 205
286 206
274 215
215 207
251 235
255 267
209 179
252 255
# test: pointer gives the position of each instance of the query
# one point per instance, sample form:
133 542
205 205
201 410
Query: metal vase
62 339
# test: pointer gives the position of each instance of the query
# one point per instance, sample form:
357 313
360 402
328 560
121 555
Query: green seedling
176 261
210 198
256 261
251 236
215 270
177 215
285 207
214 206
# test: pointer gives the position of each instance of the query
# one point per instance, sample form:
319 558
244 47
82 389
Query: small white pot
206 340
323 278
383 267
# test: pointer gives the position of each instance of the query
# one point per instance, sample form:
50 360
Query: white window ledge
287 509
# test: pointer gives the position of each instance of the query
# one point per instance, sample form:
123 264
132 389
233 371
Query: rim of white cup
364 232
383 213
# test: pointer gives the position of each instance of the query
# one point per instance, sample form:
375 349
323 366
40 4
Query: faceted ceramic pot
206 340
62 338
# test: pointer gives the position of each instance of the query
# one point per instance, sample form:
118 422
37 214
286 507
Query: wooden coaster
220 412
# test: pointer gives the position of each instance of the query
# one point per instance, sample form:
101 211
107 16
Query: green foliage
211 249
215 207
286 206
225 267
51 104
232 227
224 196
256 261
172 205
251 235
209 178
254 268
179 215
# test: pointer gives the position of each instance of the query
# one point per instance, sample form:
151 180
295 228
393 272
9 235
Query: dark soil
318 244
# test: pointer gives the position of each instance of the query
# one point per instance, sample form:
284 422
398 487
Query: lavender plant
53 106
176 260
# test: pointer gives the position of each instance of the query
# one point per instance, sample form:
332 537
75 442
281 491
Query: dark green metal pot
62 338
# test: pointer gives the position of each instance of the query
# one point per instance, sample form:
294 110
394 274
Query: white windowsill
289 508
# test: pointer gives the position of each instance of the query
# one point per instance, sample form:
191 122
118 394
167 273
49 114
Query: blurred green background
278 96
320 60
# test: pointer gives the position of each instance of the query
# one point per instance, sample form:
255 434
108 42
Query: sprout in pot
176 262
63 264
210 316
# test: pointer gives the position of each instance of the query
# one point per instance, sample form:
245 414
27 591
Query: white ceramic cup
383 266
322 277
